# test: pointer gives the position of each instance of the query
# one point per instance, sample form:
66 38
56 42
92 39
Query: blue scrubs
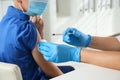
18 37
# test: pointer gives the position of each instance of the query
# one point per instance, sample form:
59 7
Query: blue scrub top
18 37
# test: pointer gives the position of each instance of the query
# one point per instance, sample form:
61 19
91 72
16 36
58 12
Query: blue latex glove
74 37
59 52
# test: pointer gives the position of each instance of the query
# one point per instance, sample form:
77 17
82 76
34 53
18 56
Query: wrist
76 55
88 42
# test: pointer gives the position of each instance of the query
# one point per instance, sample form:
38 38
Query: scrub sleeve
27 37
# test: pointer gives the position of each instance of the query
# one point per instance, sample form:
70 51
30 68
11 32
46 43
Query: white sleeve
118 38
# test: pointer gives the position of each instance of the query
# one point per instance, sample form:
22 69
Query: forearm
105 43
51 70
47 67
108 59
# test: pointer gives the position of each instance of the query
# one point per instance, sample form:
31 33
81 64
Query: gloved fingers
71 32
68 30
50 58
69 35
66 35
66 38
51 54
44 48
77 33
46 44
46 57
45 53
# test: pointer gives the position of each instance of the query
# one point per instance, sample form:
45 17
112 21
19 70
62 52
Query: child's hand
37 20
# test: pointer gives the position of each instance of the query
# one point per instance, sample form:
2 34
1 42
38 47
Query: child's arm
47 67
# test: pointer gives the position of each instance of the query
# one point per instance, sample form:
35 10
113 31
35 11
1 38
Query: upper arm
26 40
26 36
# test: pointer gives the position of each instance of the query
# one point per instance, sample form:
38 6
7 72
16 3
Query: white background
95 17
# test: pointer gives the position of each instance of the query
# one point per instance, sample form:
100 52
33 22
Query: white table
89 72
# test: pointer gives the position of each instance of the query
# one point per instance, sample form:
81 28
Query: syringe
60 34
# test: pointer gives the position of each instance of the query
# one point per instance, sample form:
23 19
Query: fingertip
66 32
41 44
74 31
66 39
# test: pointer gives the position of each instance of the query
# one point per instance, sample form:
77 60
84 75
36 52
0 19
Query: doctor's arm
78 38
108 59
64 53
105 43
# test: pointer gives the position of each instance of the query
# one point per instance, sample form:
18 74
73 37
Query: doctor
106 55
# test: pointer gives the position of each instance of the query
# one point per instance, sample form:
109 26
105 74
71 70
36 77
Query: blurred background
95 17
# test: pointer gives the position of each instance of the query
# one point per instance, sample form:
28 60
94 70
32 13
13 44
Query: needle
60 34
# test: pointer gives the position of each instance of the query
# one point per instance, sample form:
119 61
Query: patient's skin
49 68
38 21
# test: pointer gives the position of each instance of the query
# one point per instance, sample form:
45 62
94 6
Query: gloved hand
59 52
74 37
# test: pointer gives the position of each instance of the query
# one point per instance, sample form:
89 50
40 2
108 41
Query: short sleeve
118 38
26 36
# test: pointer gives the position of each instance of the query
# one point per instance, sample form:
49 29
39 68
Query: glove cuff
88 40
76 56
